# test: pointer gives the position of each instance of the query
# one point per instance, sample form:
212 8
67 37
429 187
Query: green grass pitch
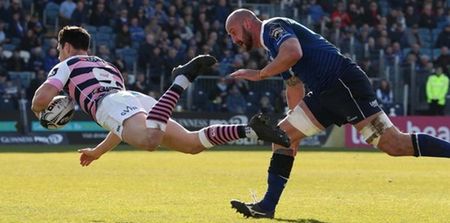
164 186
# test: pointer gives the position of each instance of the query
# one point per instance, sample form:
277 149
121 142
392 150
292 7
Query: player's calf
395 143
381 133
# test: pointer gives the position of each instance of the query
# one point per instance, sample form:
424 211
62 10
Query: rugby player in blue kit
340 93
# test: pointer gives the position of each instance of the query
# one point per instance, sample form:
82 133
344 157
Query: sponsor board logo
52 139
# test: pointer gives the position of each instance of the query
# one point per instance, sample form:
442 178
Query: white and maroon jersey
86 79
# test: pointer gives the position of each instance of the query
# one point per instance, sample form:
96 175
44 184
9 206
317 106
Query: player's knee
150 142
148 145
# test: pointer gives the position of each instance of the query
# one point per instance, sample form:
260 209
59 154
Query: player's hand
247 74
87 156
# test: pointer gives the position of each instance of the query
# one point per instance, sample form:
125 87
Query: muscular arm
88 155
42 97
289 53
295 92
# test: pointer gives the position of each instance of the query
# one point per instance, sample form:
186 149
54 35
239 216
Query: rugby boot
195 67
260 123
252 210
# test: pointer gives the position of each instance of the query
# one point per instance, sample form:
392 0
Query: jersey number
104 77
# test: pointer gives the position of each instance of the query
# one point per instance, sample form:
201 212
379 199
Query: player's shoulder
279 21
82 58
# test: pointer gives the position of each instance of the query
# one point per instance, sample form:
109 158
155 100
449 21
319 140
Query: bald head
244 27
239 16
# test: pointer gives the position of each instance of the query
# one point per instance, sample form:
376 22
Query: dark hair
77 36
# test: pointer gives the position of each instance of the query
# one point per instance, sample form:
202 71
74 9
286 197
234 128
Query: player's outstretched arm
42 97
290 52
90 154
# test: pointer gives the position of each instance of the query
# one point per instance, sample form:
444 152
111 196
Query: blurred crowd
147 38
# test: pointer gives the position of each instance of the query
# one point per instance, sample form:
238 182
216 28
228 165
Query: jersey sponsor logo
277 32
128 109
373 103
349 118
53 72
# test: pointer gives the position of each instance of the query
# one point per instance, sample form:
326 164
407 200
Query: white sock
182 81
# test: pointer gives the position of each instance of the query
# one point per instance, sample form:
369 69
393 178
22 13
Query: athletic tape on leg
373 131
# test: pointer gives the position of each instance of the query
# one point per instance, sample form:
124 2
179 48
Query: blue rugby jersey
321 64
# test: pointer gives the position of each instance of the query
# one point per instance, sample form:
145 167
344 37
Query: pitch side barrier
81 130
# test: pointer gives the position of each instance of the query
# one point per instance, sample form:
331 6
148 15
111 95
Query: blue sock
279 171
426 145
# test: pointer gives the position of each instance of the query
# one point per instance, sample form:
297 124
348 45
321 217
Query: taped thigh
300 120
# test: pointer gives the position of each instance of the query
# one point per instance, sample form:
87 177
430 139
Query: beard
248 40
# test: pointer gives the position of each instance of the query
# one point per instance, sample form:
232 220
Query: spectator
341 15
35 83
172 12
384 95
235 101
80 15
185 32
3 79
155 67
443 60
16 27
397 34
218 96
33 23
369 68
412 18
4 14
3 36
142 19
153 27
30 41
140 84
130 6
427 18
36 61
412 36
145 51
437 89
15 62
15 8
443 38
372 15
51 59
65 11
159 13
394 16
356 14
123 19
104 52
221 11
123 37
137 33
265 106
99 16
